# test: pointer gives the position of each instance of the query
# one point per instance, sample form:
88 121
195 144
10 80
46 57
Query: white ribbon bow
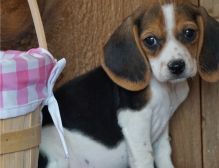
52 104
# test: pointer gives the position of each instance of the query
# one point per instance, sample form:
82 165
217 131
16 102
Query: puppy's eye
151 42
189 34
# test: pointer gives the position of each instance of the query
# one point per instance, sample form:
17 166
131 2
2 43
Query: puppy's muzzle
177 67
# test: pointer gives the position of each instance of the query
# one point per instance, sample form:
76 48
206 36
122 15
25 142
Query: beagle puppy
117 115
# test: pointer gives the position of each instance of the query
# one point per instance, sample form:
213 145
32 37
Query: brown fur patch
210 76
201 35
153 24
186 18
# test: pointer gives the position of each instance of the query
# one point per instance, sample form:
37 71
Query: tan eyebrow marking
153 23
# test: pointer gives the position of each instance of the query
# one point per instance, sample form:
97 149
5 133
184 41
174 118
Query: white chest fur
166 97
149 126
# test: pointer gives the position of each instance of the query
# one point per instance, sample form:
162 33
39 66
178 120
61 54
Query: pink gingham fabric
23 80
26 82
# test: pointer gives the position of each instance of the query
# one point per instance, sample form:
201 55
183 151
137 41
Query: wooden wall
77 31
210 107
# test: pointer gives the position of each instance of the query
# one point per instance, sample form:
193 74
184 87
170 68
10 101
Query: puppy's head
170 41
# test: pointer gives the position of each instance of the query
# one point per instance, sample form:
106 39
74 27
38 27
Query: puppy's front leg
136 128
162 151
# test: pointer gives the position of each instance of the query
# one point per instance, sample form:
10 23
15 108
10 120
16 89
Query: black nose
177 66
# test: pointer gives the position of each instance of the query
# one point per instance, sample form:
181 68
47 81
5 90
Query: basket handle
38 23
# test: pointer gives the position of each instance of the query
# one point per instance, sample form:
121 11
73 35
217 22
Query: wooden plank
210 107
16 25
186 131
210 124
15 20
77 30
212 6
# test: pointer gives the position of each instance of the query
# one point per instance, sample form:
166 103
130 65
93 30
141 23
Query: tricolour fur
117 115
90 113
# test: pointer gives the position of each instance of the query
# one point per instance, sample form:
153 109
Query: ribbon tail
53 104
54 112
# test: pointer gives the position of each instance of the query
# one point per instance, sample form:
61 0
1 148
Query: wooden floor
77 30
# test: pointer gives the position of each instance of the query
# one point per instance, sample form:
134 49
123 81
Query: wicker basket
20 136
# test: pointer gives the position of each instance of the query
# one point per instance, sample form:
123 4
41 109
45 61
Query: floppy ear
124 60
209 53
